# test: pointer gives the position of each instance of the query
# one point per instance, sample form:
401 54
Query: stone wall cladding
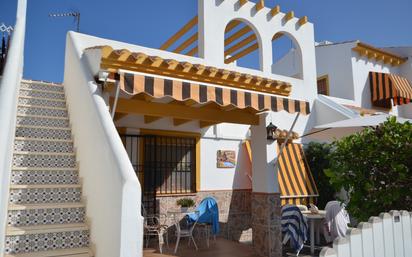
266 224
234 211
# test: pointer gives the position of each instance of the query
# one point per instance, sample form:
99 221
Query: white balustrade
389 235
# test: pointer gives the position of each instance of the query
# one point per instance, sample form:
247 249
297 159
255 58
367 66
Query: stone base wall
266 224
234 211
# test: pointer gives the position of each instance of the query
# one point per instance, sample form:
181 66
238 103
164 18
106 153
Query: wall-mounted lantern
271 131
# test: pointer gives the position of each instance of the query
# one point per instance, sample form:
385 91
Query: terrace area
219 248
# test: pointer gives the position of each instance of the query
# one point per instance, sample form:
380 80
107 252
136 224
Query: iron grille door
164 165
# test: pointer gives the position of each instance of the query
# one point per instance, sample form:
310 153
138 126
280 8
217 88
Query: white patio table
312 219
177 215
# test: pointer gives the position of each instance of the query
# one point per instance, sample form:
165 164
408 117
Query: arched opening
286 56
242 47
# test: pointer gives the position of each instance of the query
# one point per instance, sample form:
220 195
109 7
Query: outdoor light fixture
271 131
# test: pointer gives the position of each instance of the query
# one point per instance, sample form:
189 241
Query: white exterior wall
111 189
289 65
361 66
349 74
335 61
212 178
406 71
213 19
9 93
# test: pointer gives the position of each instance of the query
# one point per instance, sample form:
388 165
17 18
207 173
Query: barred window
163 164
169 164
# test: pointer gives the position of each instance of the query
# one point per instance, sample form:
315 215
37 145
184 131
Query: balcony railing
5 44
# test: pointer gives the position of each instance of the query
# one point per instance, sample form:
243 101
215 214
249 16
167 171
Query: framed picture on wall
226 159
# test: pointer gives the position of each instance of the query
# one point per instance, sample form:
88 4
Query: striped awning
385 87
296 183
156 87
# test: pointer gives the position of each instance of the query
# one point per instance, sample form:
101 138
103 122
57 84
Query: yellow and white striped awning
155 87
385 86
296 183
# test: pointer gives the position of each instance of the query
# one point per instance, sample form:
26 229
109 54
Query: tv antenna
76 15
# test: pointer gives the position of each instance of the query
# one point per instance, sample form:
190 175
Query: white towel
337 219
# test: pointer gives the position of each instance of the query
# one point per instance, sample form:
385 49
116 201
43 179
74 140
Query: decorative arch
242 44
286 55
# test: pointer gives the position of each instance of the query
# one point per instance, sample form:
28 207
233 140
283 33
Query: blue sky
151 22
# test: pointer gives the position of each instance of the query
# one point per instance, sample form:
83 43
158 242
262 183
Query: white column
264 152
267 237
211 27
265 54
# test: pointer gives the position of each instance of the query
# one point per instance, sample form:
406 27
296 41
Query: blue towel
208 213
295 225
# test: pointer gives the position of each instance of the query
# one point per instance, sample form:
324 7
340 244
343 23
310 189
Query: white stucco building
346 68
133 126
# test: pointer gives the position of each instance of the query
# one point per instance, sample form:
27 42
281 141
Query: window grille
163 164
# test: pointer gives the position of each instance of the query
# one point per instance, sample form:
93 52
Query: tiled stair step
42 121
45 214
46 176
43 132
43 145
38 194
31 239
42 111
42 86
41 101
72 252
44 160
42 94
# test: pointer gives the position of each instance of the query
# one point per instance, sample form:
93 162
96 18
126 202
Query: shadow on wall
366 91
309 125
239 217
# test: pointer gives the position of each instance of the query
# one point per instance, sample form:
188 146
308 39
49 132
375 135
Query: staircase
46 216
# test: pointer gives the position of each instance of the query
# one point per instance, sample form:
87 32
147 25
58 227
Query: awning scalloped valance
156 87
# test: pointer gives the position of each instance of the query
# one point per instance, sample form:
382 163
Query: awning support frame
285 142
116 98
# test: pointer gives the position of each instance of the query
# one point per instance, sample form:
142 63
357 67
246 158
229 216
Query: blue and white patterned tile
44 160
39 111
46 133
28 145
44 177
48 241
45 195
42 122
41 86
42 94
41 102
49 216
